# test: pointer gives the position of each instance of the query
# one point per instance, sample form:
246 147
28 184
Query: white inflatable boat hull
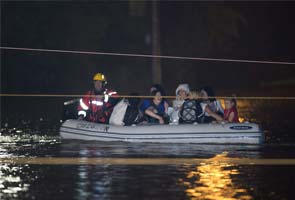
247 133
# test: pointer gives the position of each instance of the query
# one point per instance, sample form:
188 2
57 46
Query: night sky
234 30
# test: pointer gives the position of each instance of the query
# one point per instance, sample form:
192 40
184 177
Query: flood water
37 164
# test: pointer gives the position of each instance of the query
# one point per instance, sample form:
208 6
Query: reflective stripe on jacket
96 108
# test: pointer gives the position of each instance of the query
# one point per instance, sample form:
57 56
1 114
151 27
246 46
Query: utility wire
147 56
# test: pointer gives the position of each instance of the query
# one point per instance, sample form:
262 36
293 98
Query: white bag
118 113
173 115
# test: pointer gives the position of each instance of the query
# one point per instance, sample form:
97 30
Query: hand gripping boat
222 133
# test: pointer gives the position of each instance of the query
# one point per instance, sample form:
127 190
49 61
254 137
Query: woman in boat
146 102
181 92
158 87
209 99
230 111
154 109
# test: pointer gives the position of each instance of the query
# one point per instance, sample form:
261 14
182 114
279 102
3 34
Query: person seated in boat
146 102
155 87
230 111
193 110
154 109
181 92
97 104
208 96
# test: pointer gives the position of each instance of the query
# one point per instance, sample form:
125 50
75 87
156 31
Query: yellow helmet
99 77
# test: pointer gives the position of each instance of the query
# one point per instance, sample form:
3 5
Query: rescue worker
97 104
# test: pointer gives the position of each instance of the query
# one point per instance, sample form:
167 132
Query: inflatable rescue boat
221 133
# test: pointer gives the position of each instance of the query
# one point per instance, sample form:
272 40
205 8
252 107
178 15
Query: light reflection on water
212 180
15 180
94 182
24 136
11 183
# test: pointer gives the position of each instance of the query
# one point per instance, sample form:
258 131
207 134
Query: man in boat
97 104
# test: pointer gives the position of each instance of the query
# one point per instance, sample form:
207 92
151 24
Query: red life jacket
96 108
227 113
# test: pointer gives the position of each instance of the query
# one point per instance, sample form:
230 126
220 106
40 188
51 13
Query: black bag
131 116
191 111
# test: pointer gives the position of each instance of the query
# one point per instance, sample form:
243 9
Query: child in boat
154 109
194 95
193 110
230 111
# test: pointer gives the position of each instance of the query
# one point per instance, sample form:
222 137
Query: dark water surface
53 177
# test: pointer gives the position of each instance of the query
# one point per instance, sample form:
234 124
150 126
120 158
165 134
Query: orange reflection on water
212 180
